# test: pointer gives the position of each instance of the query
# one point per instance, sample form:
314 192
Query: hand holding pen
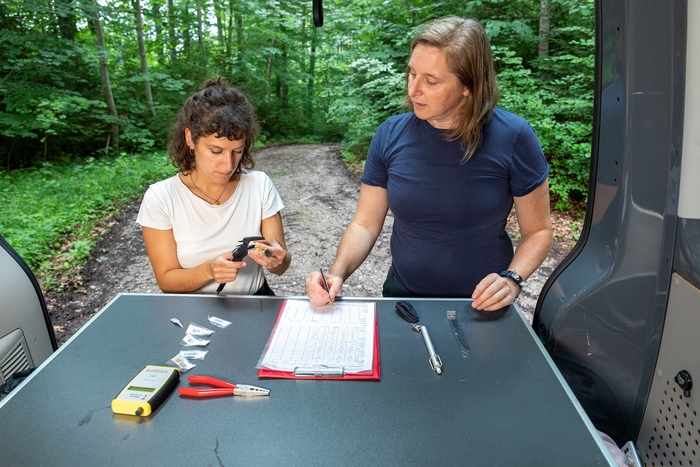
322 288
323 279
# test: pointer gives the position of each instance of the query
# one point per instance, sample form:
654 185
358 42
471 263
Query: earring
192 152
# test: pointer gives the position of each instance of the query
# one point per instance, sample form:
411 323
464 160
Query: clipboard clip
320 371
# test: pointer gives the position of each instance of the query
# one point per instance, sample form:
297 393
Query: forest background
89 90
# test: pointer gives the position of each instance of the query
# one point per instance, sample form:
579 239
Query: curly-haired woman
192 221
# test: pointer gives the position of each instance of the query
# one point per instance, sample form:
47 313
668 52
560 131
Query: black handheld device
240 252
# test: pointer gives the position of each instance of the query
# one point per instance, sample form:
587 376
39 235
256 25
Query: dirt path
320 197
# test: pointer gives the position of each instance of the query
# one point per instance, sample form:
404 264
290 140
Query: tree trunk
269 73
219 13
104 72
3 23
159 30
66 19
310 82
229 35
144 62
240 38
201 32
171 31
283 87
543 50
186 36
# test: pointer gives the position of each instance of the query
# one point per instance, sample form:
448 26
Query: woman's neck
211 192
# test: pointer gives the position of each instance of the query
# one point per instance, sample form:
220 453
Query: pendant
216 203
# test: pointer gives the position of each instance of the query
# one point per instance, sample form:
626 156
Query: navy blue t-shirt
449 218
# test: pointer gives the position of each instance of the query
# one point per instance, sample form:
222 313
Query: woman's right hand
224 270
317 293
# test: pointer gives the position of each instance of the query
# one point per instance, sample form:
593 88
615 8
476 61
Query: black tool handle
239 253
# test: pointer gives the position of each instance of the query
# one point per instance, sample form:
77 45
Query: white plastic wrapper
181 362
193 354
190 341
218 322
197 330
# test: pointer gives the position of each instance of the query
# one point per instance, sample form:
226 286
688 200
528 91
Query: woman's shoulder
166 186
508 126
506 119
256 179
255 176
400 120
398 124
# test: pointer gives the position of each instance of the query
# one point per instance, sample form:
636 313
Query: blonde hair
468 53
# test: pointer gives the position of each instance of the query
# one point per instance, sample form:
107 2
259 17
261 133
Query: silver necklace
216 201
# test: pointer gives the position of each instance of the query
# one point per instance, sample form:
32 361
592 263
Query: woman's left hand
259 257
494 292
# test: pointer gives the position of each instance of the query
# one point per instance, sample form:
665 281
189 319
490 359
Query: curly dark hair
219 109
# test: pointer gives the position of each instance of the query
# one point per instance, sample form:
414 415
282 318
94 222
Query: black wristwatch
516 277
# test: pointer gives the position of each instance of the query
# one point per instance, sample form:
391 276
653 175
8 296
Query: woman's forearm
355 246
531 251
185 280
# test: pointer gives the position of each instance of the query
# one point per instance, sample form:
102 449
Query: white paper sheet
308 336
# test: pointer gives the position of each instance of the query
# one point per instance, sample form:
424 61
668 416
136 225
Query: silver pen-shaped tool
435 362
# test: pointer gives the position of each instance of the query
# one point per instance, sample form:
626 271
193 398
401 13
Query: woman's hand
271 228
317 293
494 292
355 245
224 270
276 258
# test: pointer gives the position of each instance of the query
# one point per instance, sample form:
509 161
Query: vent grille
676 437
15 360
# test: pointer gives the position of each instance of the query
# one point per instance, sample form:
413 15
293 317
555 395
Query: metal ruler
459 334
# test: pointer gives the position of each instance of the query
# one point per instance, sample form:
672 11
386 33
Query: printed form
309 336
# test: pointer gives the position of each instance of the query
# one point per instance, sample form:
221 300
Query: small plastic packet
218 322
193 354
197 330
181 362
193 341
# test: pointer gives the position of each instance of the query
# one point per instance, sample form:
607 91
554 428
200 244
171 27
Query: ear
465 93
188 137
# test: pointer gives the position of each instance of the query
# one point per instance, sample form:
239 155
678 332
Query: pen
325 282
435 362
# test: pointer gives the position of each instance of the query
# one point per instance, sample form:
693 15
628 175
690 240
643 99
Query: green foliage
560 110
333 83
370 95
39 208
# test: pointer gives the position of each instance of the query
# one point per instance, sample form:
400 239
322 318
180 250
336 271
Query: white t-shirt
204 231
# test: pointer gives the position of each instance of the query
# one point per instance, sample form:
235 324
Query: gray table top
504 405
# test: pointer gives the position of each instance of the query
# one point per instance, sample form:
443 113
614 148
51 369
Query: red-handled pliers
225 388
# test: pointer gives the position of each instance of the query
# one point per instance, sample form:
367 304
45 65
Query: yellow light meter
146 391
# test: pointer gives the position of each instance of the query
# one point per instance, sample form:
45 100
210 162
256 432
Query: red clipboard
266 373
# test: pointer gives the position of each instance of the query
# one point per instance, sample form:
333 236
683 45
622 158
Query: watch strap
516 278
